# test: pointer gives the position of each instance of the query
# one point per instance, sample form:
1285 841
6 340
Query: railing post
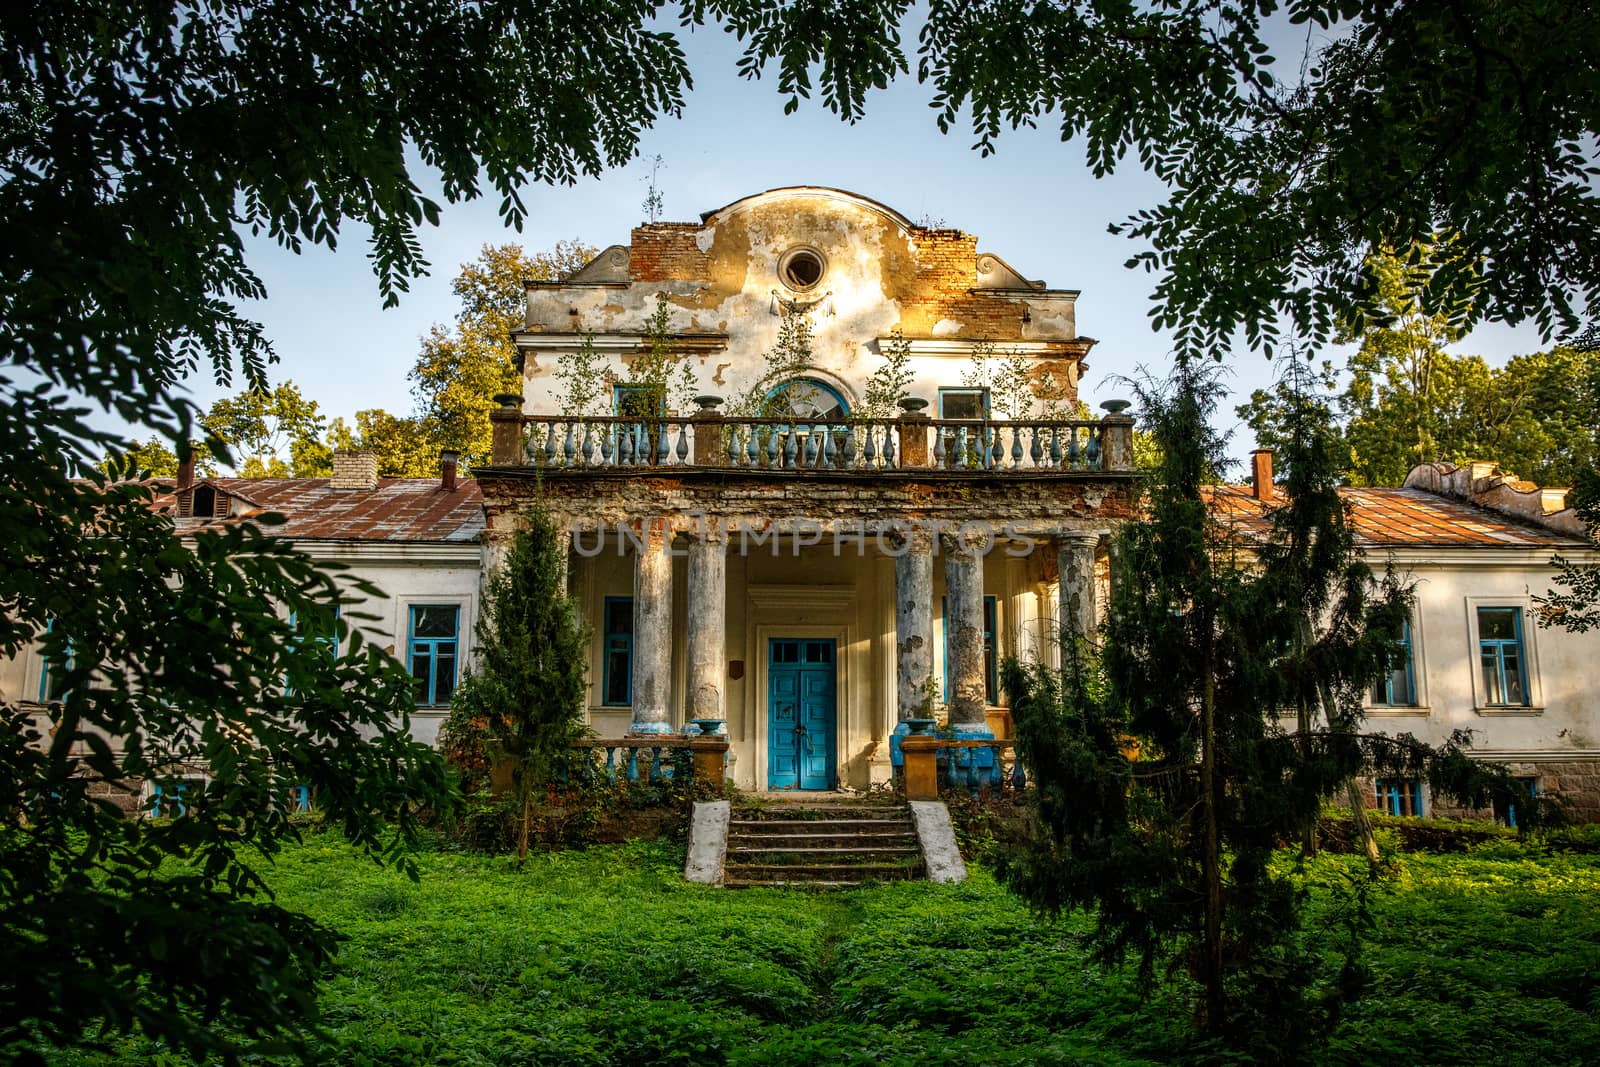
1116 437
913 432
506 425
922 772
708 446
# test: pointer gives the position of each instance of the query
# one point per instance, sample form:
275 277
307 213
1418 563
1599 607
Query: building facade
822 468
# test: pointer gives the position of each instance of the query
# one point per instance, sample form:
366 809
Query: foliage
530 681
184 672
1409 401
1211 641
155 458
462 367
658 380
139 147
625 963
582 379
1575 604
1385 125
259 425
890 381
789 357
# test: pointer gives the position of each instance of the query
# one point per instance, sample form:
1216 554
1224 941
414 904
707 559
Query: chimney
354 470
1261 474
447 469
185 466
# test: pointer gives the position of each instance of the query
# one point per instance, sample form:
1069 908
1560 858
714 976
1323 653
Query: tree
527 692
1410 401
1166 773
1407 120
139 145
259 425
460 369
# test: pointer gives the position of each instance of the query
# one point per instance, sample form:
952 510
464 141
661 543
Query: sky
1034 203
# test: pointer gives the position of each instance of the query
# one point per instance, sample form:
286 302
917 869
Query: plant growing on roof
789 357
582 379
890 381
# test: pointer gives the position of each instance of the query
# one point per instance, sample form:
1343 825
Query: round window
801 268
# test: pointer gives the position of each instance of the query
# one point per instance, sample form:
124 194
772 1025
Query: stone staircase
820 844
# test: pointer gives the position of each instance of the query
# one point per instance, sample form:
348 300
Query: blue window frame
432 647
638 401
1501 658
53 683
991 687
300 798
806 399
321 629
1398 688
166 798
616 676
1399 796
1507 813
963 403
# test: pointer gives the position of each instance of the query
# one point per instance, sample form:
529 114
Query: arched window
807 399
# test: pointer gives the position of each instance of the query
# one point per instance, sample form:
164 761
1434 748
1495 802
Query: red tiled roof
1399 518
399 509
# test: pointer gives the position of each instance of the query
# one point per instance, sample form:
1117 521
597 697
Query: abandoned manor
859 478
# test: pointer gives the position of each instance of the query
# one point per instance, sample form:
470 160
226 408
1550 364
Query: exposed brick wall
666 251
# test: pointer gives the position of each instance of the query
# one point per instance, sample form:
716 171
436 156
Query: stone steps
820 845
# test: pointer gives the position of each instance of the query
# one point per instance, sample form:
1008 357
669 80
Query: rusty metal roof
1400 518
399 509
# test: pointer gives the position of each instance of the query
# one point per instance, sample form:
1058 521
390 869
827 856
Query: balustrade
648 758
792 445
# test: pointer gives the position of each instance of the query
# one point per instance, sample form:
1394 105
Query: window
802 268
1507 813
806 399
991 688
1501 660
167 798
1399 689
1399 796
53 683
639 401
616 685
432 647
321 628
963 403
300 798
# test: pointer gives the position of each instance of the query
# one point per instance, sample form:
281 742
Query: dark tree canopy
1409 120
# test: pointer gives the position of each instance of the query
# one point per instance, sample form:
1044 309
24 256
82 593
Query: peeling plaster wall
722 283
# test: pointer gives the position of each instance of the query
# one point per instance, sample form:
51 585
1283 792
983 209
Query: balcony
913 444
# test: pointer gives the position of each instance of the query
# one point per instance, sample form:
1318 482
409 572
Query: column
1075 560
913 635
963 590
706 638
652 631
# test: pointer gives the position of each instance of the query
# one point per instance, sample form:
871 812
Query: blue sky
1034 203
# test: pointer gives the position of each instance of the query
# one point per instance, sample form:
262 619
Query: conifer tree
1222 711
527 688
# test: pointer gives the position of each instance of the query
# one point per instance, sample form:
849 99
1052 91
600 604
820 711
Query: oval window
801 268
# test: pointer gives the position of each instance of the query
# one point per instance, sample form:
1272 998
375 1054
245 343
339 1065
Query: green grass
606 956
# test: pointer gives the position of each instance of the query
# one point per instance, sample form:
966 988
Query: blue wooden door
801 712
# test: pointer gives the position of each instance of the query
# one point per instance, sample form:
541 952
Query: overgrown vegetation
606 957
1223 710
520 705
